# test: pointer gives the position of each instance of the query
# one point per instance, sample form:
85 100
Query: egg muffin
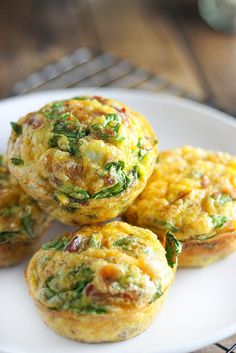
101 283
85 159
22 222
191 194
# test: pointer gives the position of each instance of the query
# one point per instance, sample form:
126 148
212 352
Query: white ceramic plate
200 308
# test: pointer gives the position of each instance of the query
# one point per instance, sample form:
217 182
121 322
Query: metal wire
86 68
227 350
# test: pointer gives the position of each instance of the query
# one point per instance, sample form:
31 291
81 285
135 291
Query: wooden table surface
166 37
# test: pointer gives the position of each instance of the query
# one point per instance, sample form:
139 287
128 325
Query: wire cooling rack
87 68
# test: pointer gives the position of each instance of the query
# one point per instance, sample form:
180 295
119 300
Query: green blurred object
219 14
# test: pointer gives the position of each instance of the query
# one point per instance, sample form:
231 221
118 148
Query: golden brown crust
102 328
202 253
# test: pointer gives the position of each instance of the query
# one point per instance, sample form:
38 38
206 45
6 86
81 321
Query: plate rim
135 92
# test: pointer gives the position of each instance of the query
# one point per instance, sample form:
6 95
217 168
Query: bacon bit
56 181
129 295
110 297
9 218
84 202
100 99
89 289
74 244
106 243
33 121
110 180
205 181
96 114
75 171
71 127
50 165
121 110
109 131
106 295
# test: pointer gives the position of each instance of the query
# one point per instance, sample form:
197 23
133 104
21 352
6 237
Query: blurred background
170 38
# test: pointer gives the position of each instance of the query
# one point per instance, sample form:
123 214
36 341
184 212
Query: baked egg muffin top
100 269
192 194
20 217
82 149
